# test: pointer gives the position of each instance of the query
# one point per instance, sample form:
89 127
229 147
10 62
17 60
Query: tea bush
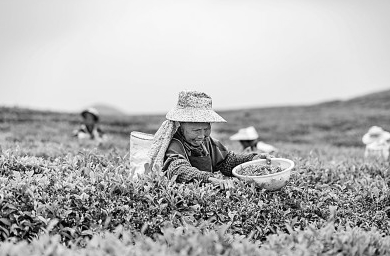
80 195
60 196
192 241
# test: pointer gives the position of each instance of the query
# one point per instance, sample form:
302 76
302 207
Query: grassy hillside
59 196
339 123
378 100
107 110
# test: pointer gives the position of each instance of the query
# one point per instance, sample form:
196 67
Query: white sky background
137 55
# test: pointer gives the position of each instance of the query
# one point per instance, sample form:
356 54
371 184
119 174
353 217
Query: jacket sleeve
176 163
232 160
185 172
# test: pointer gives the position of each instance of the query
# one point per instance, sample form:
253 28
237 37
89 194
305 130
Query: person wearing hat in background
183 147
90 129
377 143
249 140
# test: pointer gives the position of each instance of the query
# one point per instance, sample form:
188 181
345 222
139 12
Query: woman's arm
232 160
184 171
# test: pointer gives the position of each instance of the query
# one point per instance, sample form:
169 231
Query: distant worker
90 129
377 143
249 140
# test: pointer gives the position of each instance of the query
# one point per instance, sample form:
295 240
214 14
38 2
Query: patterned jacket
177 162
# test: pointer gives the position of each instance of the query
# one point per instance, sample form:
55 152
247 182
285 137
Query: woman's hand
223 184
264 156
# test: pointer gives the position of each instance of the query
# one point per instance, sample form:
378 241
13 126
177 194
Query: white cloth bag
377 150
140 143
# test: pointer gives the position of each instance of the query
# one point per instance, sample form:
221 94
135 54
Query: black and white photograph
194 127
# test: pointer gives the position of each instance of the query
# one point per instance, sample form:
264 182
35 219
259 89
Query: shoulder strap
177 141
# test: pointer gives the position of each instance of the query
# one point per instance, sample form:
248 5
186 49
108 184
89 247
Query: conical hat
193 106
248 133
92 111
385 136
375 133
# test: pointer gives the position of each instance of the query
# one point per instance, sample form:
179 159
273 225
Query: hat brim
194 115
368 139
87 112
238 136
385 136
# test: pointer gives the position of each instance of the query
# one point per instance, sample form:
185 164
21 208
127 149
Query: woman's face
195 133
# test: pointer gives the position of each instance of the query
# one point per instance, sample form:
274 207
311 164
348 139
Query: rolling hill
107 110
340 123
379 100
336 122
376 100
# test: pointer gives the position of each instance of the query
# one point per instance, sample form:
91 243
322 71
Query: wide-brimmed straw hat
92 111
385 136
375 133
193 106
248 133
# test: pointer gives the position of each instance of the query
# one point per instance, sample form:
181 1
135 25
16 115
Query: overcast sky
137 55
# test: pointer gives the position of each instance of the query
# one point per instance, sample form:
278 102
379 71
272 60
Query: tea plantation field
62 197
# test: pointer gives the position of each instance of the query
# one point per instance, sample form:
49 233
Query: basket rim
292 164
